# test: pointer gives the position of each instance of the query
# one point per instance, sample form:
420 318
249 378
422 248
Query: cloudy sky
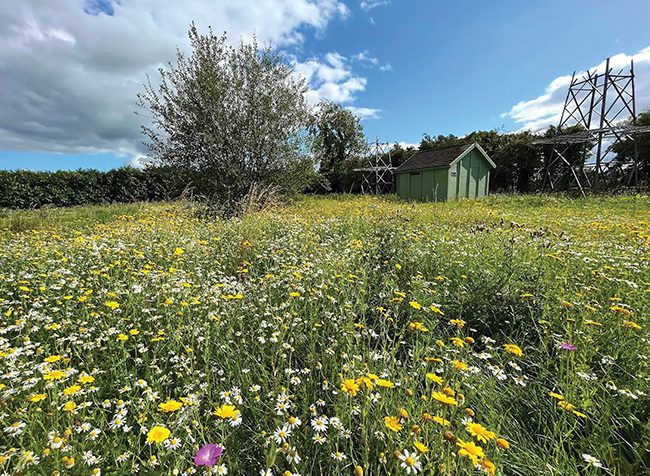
70 69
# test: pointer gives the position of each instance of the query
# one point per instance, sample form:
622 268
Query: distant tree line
520 163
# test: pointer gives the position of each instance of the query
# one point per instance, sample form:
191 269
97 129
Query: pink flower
208 455
568 346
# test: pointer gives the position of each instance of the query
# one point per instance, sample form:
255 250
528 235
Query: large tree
337 142
228 117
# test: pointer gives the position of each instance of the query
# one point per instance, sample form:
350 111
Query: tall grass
396 325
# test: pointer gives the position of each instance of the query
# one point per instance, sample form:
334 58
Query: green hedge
27 189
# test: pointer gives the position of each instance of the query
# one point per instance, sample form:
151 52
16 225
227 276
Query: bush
28 189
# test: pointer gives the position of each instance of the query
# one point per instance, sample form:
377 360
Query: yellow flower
472 451
112 305
178 251
55 375
458 365
565 405
392 423
358 470
36 397
350 386
158 434
69 406
503 443
441 421
458 342
579 414
71 390
555 395
415 305
622 310
226 412
417 326
488 466
421 447
435 378
170 406
68 462
593 323
436 310
403 413
513 349
294 294
52 358
122 337
459 323
384 383
444 399
84 379
479 432
632 325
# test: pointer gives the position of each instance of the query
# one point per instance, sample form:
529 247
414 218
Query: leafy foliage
229 117
337 142
28 189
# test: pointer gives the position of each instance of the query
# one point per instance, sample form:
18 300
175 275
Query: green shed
460 171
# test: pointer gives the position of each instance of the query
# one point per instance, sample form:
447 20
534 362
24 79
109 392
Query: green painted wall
467 178
428 185
402 185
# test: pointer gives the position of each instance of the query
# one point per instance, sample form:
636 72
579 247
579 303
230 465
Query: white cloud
367 61
545 110
364 57
70 71
364 112
368 5
330 79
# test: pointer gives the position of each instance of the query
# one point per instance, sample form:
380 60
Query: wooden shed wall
469 177
428 184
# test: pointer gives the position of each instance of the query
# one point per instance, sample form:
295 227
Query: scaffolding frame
600 102
378 177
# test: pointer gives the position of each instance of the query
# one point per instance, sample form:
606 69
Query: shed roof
428 159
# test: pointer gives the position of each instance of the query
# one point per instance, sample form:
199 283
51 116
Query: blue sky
409 66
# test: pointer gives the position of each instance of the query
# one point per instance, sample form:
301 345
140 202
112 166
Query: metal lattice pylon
378 176
599 102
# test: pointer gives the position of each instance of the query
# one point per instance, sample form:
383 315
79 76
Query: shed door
475 176
416 186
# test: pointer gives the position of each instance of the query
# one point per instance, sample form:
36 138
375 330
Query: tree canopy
337 142
229 117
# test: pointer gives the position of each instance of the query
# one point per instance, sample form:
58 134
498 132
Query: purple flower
208 455
568 346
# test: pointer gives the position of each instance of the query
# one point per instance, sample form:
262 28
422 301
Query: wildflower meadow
332 336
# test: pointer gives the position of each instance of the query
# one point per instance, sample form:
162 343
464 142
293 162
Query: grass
337 335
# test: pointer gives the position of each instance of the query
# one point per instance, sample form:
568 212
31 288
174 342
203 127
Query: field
334 336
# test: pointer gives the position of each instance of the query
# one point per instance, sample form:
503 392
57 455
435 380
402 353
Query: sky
70 70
